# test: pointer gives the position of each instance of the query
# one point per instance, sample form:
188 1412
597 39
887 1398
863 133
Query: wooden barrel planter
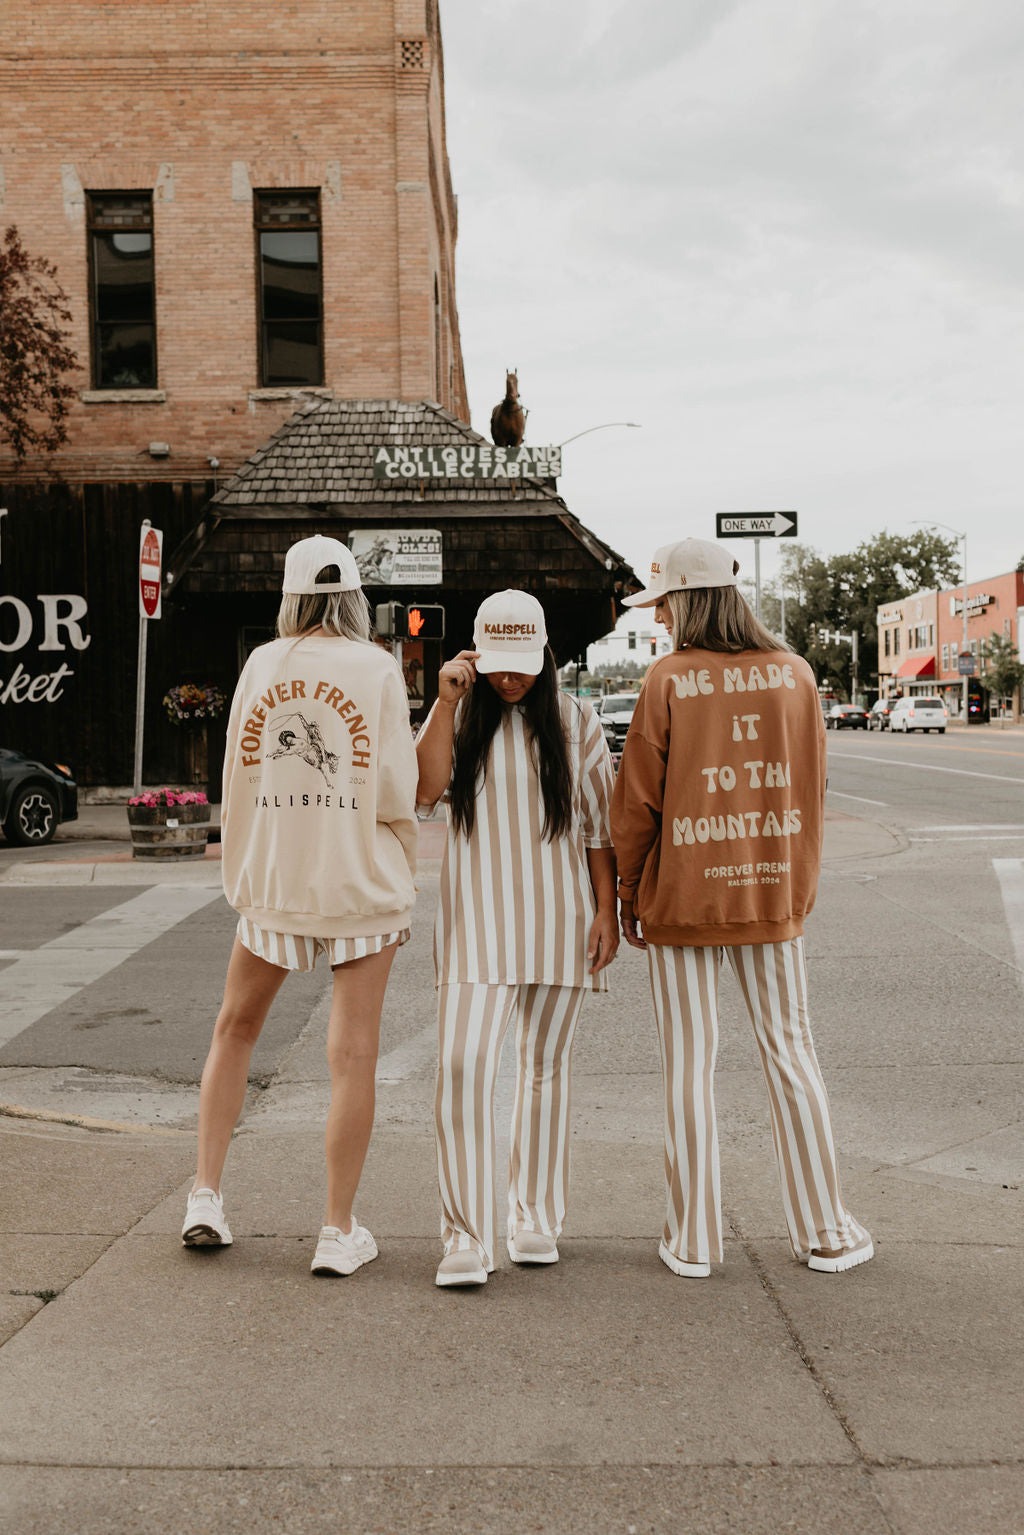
169 831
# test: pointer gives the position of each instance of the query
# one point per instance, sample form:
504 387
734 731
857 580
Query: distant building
921 638
906 644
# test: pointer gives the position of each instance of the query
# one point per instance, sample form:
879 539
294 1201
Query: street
231 1389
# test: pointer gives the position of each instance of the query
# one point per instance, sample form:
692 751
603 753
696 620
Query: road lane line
1010 874
55 972
1012 836
880 802
925 767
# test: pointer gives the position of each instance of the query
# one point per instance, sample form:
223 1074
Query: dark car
846 717
35 797
878 719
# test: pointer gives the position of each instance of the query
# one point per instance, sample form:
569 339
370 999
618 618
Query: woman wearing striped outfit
717 821
526 922
319 839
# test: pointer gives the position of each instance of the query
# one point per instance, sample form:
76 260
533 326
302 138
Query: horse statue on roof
508 418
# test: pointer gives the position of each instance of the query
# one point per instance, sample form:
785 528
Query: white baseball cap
693 562
510 634
309 556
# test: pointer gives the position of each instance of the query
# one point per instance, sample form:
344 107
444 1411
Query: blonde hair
345 614
717 618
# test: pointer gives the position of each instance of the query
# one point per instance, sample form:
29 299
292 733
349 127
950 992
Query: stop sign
150 560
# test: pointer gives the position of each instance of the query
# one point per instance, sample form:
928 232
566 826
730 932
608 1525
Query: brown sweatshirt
718 811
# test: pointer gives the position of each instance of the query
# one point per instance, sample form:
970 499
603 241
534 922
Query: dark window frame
262 200
96 228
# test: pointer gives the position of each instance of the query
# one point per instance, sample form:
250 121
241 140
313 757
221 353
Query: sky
786 238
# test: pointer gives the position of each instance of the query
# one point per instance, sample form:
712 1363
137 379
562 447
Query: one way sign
755 524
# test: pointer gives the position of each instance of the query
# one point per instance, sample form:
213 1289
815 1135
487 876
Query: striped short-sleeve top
516 908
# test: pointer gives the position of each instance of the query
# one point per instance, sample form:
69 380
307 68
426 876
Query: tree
845 591
35 397
1004 670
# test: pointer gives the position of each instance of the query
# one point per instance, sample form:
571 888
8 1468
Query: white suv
918 714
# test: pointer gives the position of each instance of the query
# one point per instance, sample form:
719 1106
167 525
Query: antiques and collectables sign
466 461
397 556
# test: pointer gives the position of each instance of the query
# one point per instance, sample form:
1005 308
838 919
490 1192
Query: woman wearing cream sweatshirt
717 823
319 849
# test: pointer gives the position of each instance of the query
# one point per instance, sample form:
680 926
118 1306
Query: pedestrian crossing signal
424 621
418 621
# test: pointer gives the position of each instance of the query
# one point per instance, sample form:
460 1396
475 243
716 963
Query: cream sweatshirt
318 820
718 810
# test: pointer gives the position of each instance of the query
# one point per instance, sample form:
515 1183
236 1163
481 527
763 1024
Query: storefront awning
917 666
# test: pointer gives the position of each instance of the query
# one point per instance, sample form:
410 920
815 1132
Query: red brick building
251 210
245 202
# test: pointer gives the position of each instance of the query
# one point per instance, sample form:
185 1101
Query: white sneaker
681 1267
342 1252
532 1247
461 1268
831 1260
205 1225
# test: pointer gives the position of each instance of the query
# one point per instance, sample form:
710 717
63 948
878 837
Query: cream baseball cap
309 556
693 562
510 634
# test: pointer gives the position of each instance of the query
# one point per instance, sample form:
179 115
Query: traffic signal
389 620
418 621
424 621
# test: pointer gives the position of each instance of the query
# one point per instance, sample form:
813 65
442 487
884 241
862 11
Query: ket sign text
61 615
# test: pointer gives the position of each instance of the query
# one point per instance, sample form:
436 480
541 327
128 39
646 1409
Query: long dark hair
480 717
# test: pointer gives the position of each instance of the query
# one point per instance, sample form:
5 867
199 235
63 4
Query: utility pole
835 637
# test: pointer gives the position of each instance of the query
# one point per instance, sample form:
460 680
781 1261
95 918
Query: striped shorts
296 951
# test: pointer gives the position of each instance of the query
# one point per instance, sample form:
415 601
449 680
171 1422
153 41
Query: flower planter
169 831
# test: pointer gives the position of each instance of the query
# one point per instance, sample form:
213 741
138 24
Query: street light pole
962 536
604 425
963 647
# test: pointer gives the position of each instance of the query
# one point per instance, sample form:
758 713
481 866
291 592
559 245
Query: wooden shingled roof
318 468
323 455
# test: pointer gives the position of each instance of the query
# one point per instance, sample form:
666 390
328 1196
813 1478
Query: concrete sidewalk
146 1387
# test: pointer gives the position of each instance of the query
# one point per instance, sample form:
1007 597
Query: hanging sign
465 461
151 553
397 556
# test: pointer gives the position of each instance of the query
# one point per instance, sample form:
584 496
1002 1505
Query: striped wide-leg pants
772 978
472 1021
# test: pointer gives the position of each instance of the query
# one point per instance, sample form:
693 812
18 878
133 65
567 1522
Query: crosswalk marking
52 974
1010 874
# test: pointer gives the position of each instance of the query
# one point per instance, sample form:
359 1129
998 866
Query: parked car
35 797
918 714
615 710
878 716
846 717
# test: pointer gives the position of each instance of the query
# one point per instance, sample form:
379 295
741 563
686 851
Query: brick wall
201 103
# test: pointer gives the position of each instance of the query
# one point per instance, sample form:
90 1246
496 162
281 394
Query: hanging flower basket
190 704
169 823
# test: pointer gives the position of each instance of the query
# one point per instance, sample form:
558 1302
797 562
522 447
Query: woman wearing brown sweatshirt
717 823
